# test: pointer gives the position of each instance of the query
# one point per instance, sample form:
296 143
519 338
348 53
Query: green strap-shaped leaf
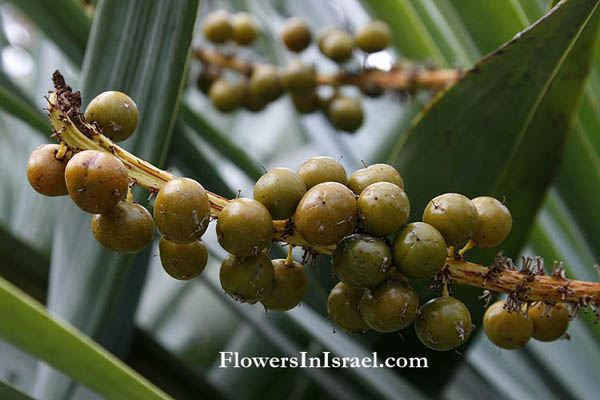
499 131
64 21
140 47
14 102
9 392
61 345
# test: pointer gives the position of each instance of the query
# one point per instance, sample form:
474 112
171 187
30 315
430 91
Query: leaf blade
69 350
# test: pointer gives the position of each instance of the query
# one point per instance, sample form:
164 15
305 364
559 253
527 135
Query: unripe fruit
550 322
454 215
323 33
280 191
362 261
342 307
443 323
207 76
372 89
225 95
182 210
46 173
288 287
183 261
96 181
115 113
266 83
506 330
247 279
495 222
244 227
389 307
251 101
306 103
373 37
244 28
419 251
383 208
337 45
326 213
128 228
364 177
322 169
296 34
345 113
299 77
217 27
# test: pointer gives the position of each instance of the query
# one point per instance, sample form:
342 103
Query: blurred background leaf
67 349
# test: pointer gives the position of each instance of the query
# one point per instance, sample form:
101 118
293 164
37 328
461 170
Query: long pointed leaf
60 344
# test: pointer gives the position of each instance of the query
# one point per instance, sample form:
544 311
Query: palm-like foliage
171 331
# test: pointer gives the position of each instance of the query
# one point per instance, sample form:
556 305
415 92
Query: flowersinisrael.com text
230 359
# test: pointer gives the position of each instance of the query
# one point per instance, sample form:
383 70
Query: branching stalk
395 79
528 284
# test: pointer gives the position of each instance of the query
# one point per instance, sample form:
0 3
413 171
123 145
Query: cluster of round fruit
512 328
98 183
364 216
267 83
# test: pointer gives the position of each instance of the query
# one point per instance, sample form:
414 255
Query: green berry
296 34
182 210
207 76
244 30
495 222
251 101
364 177
419 251
299 77
244 227
183 261
225 95
46 173
323 33
550 321
373 37
508 330
342 307
128 228
115 113
389 307
280 191
383 208
372 89
345 113
288 287
266 83
454 215
96 181
306 103
322 169
337 45
443 323
326 213
362 261
216 27
247 279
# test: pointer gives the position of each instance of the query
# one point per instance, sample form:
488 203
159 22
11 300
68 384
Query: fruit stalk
396 79
528 284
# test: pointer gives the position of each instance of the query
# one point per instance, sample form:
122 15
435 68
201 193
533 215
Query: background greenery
510 124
